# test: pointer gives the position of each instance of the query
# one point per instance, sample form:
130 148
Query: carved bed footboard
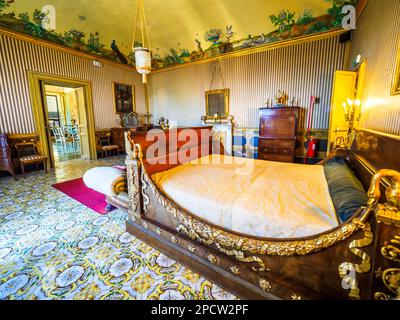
353 261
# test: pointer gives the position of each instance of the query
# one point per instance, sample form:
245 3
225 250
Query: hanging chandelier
142 48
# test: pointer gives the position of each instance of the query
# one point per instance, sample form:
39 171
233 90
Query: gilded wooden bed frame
358 260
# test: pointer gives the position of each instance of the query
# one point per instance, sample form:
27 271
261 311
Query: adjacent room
199 150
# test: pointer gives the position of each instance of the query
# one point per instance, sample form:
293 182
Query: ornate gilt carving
235 270
145 225
388 216
191 248
146 198
390 212
133 163
346 268
391 279
212 259
265 285
391 250
174 240
133 189
295 297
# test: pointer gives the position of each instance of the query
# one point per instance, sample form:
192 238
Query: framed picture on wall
124 98
396 81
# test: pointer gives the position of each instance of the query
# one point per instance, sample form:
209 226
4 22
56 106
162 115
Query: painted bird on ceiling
120 57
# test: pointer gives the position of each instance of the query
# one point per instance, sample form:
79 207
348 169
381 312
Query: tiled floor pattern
66 151
52 247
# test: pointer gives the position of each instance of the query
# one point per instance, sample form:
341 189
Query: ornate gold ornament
391 279
133 163
133 189
235 270
158 231
146 198
346 268
390 212
212 259
391 250
174 240
145 225
265 285
295 297
191 248
390 215
378 273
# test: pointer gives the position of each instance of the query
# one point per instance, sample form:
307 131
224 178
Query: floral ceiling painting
182 31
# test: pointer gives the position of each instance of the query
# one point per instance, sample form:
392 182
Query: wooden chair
104 145
29 153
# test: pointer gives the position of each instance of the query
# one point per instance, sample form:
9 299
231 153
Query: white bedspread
274 200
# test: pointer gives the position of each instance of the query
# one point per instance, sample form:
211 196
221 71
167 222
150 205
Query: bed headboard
372 151
163 150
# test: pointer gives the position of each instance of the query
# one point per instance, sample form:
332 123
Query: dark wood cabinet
278 130
6 163
116 137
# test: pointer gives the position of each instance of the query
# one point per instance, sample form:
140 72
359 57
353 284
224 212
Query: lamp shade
143 62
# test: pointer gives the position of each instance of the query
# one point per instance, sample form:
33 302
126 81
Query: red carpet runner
77 190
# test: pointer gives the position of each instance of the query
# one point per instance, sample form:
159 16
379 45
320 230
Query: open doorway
63 104
64 117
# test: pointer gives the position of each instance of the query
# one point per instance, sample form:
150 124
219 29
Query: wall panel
377 38
18 56
300 70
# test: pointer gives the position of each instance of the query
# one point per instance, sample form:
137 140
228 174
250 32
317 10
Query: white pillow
101 179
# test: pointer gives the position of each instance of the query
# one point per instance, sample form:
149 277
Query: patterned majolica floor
52 247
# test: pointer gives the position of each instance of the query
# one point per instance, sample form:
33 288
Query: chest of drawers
278 127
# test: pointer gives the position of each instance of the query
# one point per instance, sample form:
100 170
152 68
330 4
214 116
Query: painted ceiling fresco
181 31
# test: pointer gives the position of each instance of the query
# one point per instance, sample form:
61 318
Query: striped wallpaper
18 56
301 70
377 38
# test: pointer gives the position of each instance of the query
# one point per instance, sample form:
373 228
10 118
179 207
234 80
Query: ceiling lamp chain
142 53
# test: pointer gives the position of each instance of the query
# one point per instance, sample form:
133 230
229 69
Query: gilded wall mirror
217 104
396 81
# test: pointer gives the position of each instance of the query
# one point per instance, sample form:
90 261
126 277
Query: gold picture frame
124 98
396 81
217 102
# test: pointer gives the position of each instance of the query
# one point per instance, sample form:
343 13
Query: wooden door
344 87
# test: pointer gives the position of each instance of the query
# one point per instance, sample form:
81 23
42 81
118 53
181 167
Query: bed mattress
252 197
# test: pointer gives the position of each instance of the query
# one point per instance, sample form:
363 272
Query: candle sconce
217 118
352 112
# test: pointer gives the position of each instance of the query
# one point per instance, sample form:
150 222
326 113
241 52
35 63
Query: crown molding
60 47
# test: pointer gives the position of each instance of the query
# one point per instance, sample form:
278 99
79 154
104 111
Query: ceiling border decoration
289 31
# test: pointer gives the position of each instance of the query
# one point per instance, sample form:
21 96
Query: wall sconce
352 111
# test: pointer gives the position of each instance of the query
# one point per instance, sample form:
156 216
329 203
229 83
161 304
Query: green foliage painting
288 25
